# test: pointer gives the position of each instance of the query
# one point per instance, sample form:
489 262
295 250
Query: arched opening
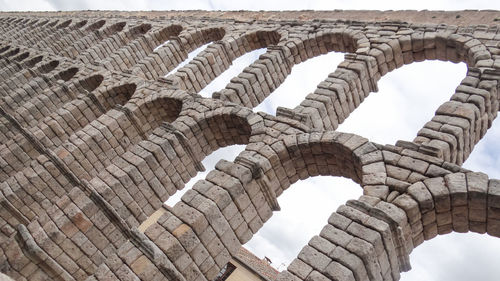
34 61
160 109
412 93
67 74
218 57
140 29
117 27
91 83
191 55
42 23
461 256
121 58
168 57
305 210
31 109
179 152
117 95
92 38
101 51
237 66
12 53
4 49
90 107
57 101
460 202
228 153
303 79
80 24
46 68
272 68
67 120
52 24
96 25
64 24
251 183
22 56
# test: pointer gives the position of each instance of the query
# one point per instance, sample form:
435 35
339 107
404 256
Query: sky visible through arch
402 105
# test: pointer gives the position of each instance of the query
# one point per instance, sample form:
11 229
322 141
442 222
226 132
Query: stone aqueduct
94 139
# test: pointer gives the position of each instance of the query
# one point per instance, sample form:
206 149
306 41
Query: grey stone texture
93 140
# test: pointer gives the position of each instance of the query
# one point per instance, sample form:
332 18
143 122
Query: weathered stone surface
93 139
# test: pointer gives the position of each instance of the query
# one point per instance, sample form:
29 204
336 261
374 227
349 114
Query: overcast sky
408 102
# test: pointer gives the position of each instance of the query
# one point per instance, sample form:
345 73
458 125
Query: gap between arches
406 100
305 210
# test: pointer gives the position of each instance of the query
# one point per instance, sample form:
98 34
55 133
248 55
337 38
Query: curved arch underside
93 140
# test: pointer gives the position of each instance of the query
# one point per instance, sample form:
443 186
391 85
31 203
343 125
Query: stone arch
116 27
60 116
236 198
116 95
99 52
458 202
444 201
98 31
144 153
197 74
79 24
21 57
174 148
33 111
22 79
339 40
52 24
42 23
253 40
157 109
48 67
25 100
140 29
281 58
4 49
325 154
96 25
64 24
167 57
123 59
33 61
166 33
357 76
461 122
418 46
67 74
297 157
11 53
197 37
90 83
220 128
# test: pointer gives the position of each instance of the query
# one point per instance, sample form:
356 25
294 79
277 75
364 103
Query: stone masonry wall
94 138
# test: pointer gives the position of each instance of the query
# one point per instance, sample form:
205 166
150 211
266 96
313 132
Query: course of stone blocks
94 139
